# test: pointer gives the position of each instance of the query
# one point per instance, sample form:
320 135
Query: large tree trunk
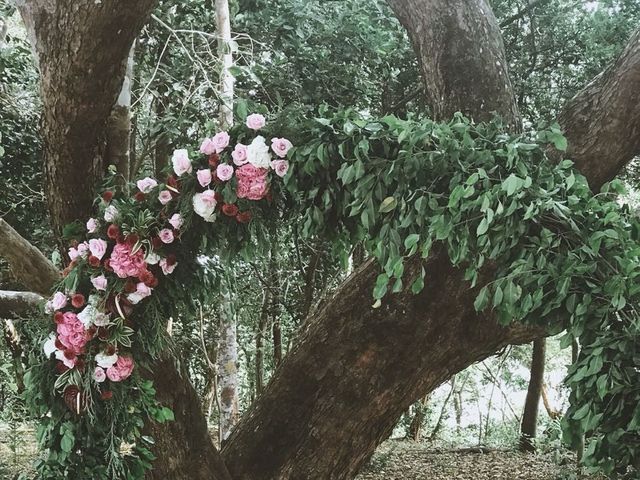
227 370
81 48
532 402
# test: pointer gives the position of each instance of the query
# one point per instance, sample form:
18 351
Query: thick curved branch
16 303
461 56
602 122
28 264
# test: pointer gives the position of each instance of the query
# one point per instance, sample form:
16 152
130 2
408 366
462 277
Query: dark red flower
156 242
61 367
113 231
58 317
107 265
147 278
171 259
106 395
59 345
70 355
107 196
77 300
172 182
110 350
103 333
214 160
130 286
244 217
94 261
154 283
131 239
91 331
139 196
230 209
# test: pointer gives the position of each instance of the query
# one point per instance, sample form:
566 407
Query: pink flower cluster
125 263
121 370
252 182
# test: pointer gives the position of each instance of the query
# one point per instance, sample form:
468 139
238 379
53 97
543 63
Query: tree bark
81 48
227 370
461 57
28 264
532 402
17 303
119 127
262 328
12 339
602 122
338 393
415 427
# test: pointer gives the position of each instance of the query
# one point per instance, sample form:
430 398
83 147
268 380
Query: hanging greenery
557 256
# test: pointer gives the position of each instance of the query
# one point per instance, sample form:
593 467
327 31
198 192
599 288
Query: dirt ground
394 460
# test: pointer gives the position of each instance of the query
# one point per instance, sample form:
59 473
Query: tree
536 382
349 351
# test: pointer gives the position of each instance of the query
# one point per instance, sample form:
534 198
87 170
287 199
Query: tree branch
17 303
602 122
28 264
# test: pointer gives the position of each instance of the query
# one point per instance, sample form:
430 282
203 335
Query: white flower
105 361
146 184
50 345
181 162
87 315
204 204
258 153
152 258
101 319
110 213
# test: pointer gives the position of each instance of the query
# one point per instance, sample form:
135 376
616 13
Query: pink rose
204 177
181 162
220 141
97 247
99 375
58 301
142 292
255 121
167 269
83 249
146 184
121 370
224 172
280 146
252 182
281 167
239 154
99 282
165 197
71 333
207 147
73 253
92 225
166 235
176 221
125 263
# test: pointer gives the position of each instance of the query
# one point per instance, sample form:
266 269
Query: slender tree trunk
119 127
443 411
227 370
415 428
457 406
532 402
12 339
274 286
553 414
262 327
575 351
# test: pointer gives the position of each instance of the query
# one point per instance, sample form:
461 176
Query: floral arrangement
126 252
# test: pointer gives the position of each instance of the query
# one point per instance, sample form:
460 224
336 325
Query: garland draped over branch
557 256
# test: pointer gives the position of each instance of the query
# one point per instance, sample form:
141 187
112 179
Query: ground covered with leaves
396 460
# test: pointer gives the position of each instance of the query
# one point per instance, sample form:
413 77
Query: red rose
131 239
139 196
106 395
77 300
69 354
147 278
230 209
61 367
244 217
110 350
58 317
154 283
113 231
130 286
107 196
94 261
103 333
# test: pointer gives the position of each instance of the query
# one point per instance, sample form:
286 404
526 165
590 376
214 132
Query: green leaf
481 300
387 205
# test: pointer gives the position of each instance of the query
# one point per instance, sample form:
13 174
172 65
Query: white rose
258 153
